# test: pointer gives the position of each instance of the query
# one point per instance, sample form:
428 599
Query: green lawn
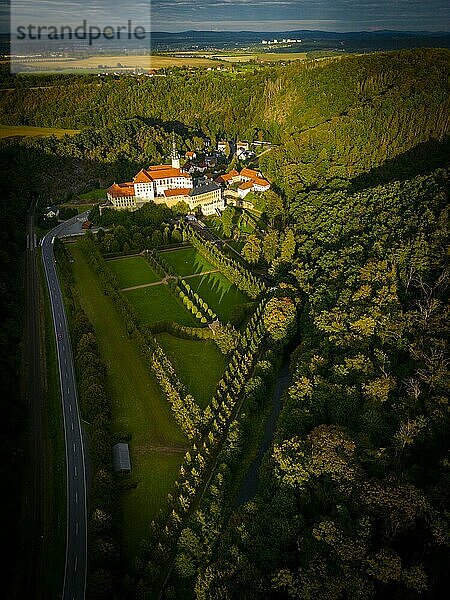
199 365
156 303
133 270
187 261
97 194
138 406
221 295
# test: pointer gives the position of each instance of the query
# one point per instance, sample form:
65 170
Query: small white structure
51 212
222 146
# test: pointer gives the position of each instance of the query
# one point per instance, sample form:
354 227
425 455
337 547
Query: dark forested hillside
335 120
353 500
354 497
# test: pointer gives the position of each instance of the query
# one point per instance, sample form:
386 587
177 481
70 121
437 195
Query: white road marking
70 407
76 528
74 447
71 425
76 497
76 472
76 563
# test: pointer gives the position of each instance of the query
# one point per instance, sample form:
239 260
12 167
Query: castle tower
175 156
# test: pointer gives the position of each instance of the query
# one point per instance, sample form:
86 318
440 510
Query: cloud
257 15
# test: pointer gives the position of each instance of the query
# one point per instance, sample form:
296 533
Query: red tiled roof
120 190
246 186
142 177
176 192
261 182
250 173
165 172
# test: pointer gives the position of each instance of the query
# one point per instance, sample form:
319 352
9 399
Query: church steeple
175 156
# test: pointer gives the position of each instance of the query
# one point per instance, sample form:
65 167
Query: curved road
76 535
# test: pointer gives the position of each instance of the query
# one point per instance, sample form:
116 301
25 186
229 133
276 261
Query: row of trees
181 289
186 411
200 537
217 424
235 272
193 302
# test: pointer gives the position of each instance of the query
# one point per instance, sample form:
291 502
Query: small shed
121 458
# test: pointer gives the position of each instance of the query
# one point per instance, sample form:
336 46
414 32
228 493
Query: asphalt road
76 538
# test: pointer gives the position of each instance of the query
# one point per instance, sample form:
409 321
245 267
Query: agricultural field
7 131
132 270
139 409
199 365
219 293
261 57
117 63
156 303
187 261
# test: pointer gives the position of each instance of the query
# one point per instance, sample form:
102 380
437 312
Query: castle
166 184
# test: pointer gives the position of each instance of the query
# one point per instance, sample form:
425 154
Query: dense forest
354 492
353 501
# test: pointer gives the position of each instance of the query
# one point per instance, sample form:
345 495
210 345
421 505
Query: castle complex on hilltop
166 184
170 184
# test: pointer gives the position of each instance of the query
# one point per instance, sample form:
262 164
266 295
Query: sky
237 15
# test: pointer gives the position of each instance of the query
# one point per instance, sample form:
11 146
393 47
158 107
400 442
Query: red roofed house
249 174
251 181
229 178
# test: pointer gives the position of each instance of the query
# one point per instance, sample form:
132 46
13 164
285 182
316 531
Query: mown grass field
220 294
199 365
156 303
187 261
139 408
28 131
92 195
133 270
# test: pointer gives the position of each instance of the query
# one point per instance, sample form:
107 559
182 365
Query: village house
51 212
222 146
249 179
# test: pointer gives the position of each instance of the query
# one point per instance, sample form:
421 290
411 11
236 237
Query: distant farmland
124 63
120 63
27 131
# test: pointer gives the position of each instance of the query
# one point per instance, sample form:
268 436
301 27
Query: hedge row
148 345
235 272
181 331
193 301
217 420
187 413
